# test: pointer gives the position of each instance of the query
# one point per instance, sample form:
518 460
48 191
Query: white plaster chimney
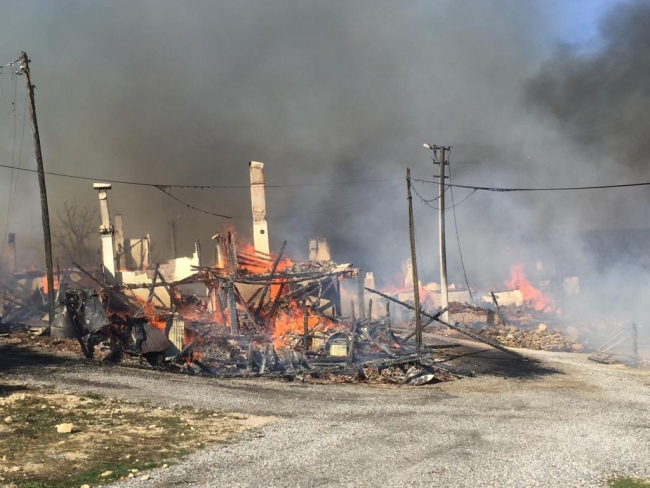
323 253
106 231
258 204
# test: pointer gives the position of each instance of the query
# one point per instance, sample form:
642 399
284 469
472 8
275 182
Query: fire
291 321
153 318
532 295
255 262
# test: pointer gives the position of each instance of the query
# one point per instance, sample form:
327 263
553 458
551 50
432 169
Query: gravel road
572 427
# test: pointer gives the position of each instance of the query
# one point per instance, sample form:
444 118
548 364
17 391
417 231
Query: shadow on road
486 360
15 358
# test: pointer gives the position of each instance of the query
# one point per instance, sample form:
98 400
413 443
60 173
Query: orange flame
531 295
291 321
152 317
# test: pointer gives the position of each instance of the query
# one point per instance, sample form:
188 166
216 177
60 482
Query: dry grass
109 435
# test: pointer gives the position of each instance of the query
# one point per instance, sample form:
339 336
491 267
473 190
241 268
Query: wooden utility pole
416 284
444 291
45 214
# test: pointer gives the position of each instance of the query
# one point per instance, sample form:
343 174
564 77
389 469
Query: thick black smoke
600 99
331 92
597 97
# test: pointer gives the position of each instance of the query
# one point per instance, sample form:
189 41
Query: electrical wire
426 202
564 188
192 207
297 214
460 251
20 152
200 187
13 172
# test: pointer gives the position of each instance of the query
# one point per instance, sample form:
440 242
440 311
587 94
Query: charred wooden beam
305 327
457 328
361 297
496 305
274 307
232 308
353 338
268 284
434 318
108 290
242 302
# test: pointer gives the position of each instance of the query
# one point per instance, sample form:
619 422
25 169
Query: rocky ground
558 420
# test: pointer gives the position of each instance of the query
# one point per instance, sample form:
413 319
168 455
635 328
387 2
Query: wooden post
416 284
337 296
361 296
305 327
444 290
232 308
353 336
45 214
369 311
388 324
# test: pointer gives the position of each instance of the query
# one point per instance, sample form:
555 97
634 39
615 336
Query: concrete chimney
258 204
106 232
323 253
313 249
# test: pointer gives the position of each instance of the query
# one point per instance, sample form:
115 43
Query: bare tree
74 231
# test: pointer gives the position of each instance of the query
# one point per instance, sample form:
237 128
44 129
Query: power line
20 152
460 251
292 215
200 187
427 202
192 207
13 172
564 188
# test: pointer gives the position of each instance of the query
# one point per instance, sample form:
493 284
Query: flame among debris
531 295
291 322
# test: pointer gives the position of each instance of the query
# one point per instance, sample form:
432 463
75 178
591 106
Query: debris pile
540 338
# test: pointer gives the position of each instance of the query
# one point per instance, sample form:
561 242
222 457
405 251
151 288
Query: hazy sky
321 91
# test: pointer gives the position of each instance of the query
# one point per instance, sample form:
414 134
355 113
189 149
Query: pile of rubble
259 315
540 338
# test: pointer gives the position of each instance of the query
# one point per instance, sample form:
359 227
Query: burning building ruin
245 312
242 310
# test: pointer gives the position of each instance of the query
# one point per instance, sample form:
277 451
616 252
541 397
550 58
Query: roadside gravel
575 427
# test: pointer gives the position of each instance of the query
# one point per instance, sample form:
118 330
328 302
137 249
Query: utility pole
444 292
416 284
45 214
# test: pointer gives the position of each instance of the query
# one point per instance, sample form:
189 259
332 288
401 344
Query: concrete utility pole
416 284
45 213
444 292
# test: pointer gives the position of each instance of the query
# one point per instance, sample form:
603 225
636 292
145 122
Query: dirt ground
50 438
557 420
